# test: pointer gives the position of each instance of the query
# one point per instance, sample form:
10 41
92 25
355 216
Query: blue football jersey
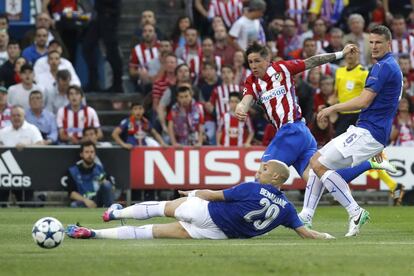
251 209
386 80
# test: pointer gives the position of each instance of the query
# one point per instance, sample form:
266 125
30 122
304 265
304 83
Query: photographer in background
88 184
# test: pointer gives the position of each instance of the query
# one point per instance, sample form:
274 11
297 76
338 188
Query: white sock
144 210
126 233
339 189
313 193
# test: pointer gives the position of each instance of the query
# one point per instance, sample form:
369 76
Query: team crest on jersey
278 77
244 91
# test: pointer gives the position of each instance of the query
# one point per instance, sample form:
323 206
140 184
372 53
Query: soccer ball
48 232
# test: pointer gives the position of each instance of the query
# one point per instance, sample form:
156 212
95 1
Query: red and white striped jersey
297 9
141 54
220 98
324 68
196 65
276 91
5 117
229 10
74 122
404 46
233 131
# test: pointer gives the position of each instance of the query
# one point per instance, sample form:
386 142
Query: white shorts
351 148
193 215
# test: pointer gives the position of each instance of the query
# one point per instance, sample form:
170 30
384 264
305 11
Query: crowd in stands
191 80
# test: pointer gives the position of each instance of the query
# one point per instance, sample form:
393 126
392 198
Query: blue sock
349 174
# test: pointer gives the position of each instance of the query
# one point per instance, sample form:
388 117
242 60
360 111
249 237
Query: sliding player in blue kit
244 211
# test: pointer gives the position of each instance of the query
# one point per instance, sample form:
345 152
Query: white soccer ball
48 232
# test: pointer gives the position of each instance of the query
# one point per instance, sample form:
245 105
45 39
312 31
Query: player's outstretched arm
312 234
243 107
208 195
325 58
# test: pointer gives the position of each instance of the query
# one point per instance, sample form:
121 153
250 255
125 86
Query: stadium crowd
187 79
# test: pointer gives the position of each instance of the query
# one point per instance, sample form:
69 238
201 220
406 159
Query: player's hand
328 236
378 158
241 115
247 145
350 49
325 112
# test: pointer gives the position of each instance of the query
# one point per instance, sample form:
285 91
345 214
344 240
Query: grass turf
385 247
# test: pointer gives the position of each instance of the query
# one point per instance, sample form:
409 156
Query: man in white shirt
18 94
20 133
247 28
42 65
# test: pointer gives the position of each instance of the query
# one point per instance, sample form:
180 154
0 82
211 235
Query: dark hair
398 17
183 89
133 104
209 63
179 66
39 28
25 67
13 42
176 32
4 16
54 41
77 88
63 75
308 39
87 144
263 51
228 66
89 128
235 94
381 30
35 92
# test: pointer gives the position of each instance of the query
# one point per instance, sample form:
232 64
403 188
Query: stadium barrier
43 168
218 168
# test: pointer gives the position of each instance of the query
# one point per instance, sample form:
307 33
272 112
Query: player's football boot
398 194
306 222
108 214
383 165
79 232
356 222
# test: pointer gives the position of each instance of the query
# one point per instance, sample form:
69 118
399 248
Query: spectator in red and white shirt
219 99
192 48
231 131
186 120
402 42
207 56
319 34
229 10
166 80
402 133
73 118
143 53
240 71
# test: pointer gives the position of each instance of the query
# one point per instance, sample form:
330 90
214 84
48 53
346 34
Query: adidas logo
11 175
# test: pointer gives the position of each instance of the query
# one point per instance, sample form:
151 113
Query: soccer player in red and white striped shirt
228 10
231 131
219 99
271 84
144 52
73 118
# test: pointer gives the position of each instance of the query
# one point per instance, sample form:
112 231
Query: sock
313 193
144 210
125 233
388 180
349 174
339 189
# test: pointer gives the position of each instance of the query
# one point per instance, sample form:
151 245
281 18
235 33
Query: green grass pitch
385 247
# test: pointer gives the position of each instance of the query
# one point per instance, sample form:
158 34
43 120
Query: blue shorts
293 144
